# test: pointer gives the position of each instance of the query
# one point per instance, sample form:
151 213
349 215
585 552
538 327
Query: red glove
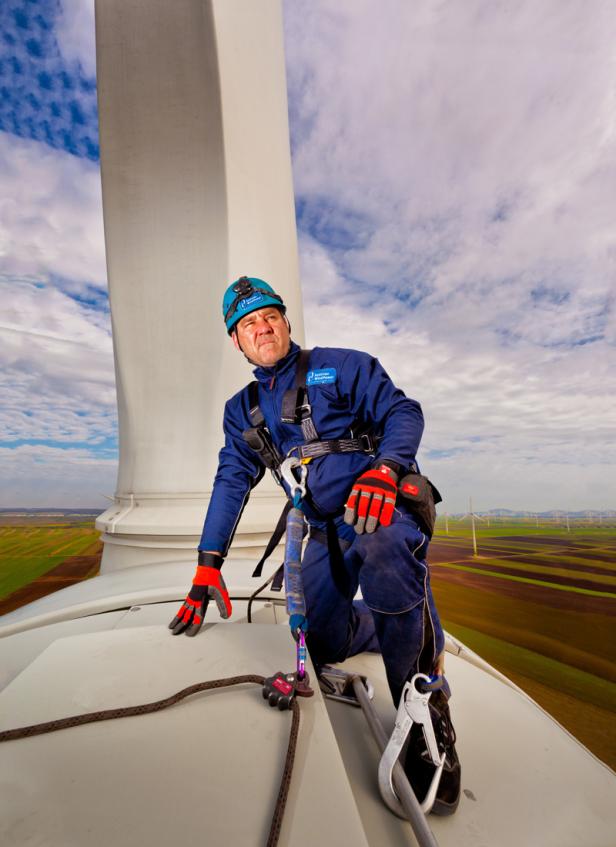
207 584
372 499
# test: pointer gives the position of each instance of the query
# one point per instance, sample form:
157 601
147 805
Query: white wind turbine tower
471 514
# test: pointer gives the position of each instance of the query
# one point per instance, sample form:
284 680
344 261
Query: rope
157 706
256 593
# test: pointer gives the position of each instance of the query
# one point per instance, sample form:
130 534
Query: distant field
38 556
539 603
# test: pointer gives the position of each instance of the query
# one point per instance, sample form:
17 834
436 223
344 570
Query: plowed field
38 558
541 607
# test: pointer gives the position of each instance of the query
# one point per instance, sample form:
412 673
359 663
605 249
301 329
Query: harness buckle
366 442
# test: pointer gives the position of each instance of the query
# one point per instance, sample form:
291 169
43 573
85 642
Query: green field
539 604
29 551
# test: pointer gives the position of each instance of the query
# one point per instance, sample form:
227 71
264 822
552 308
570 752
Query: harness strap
309 430
278 580
295 405
323 538
256 415
364 444
336 547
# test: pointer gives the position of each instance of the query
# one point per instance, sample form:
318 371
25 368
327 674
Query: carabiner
297 488
413 708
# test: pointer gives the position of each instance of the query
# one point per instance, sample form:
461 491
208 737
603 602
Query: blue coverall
397 616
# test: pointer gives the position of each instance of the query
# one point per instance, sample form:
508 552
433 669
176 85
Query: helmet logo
250 301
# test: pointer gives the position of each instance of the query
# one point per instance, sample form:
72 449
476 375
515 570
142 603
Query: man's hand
207 584
372 499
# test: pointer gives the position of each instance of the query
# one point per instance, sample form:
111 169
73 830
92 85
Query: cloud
75 34
57 380
455 174
455 170
37 476
58 418
477 143
509 427
51 220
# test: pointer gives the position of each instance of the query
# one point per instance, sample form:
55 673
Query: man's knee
393 576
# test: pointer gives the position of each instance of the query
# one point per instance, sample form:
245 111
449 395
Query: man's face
263 336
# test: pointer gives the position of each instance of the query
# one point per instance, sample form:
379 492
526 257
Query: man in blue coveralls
361 435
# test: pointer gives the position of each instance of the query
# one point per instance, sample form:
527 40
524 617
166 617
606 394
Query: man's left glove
372 499
207 584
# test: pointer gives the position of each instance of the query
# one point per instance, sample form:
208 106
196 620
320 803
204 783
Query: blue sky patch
94 298
550 295
41 96
443 454
331 224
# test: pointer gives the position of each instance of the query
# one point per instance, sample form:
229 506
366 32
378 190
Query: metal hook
296 487
413 708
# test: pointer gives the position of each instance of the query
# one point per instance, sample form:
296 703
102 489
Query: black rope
256 593
156 706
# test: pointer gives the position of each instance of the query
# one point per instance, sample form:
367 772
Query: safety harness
296 409
418 492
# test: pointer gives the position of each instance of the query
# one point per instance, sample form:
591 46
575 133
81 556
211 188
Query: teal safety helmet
246 295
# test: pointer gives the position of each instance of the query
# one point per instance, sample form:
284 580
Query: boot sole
442 809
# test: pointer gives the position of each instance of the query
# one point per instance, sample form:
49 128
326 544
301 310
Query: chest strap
364 444
254 410
296 409
295 404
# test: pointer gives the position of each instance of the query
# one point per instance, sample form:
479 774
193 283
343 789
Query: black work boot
418 764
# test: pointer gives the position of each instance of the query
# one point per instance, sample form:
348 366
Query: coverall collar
281 366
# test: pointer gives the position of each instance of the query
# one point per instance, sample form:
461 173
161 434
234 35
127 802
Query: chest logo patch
325 376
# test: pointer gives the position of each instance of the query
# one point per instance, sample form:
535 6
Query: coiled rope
157 706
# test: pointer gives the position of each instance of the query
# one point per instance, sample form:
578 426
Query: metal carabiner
413 708
296 487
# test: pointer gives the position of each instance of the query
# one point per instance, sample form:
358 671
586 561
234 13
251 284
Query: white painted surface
204 771
197 191
128 587
525 780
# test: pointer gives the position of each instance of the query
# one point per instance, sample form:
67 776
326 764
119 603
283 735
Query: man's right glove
372 499
207 584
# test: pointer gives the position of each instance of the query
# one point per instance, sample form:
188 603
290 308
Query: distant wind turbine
471 514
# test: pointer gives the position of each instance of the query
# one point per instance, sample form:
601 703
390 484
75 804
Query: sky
454 168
